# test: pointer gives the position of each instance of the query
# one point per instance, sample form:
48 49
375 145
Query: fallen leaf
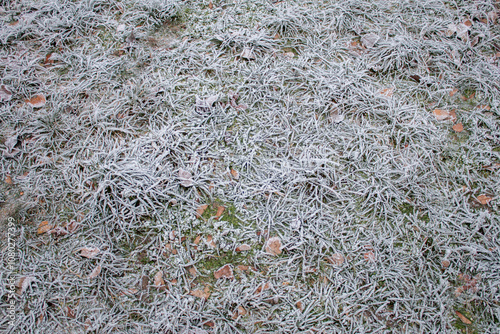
458 127
441 114
483 199
72 226
335 117
36 101
453 91
44 227
445 263
5 93
58 231
387 92
369 256
243 247
95 272
220 211
70 313
463 318
144 282
235 174
247 53
484 107
492 167
369 40
451 29
201 294
159 283
89 252
210 5
273 246
201 209
8 179
299 305
463 31
210 324
242 267
241 310
262 287
197 240
207 103
492 16
468 23
225 271
23 283
192 271
186 178
336 259
210 241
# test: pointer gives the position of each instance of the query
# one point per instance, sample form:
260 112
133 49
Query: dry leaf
263 287
220 211
210 241
492 167
445 263
335 117
243 247
36 101
483 199
23 283
8 179
158 280
241 310
484 107
452 28
453 91
201 209
387 92
197 240
299 305
192 270
225 271
273 246
369 40
336 259
5 93
442 115
70 313
463 318
247 53
243 268
144 282
186 178
44 227
58 231
95 272
492 16
207 103
210 5
235 174
459 127
72 226
468 23
369 256
201 294
89 252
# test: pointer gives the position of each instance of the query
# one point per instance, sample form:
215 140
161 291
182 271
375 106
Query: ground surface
341 157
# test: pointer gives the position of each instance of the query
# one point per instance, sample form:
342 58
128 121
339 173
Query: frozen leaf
235 174
484 107
5 93
387 92
192 270
186 178
23 284
459 127
243 248
210 241
197 240
8 179
242 267
89 252
225 271
70 313
44 227
463 31
451 29
210 5
247 54
483 199
36 101
220 211
262 287
206 103
299 305
467 23
58 231
201 209
442 115
369 40
336 259
72 226
158 280
241 310
369 256
131 38
453 91
273 246
336 117
492 167
463 318
95 272
201 294
492 16
144 282
121 28
457 59
445 263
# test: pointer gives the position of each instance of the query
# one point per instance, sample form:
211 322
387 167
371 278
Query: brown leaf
243 268
463 318
445 263
72 226
225 271
197 240
70 313
89 252
58 231
36 101
220 211
144 282
442 115
467 23
210 5
492 167
210 324
201 209
95 272
241 310
44 227
242 248
387 92
192 271
459 127
8 179
273 246
201 294
483 199
5 93
235 174
369 256
210 241
453 91
484 107
185 177
262 287
158 280
23 283
299 305
336 259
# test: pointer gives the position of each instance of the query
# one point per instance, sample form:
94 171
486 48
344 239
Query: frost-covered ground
342 157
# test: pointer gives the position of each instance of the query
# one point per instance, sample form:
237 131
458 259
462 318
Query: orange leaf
463 318
483 199
235 174
241 310
242 248
201 294
273 246
210 5
36 101
201 209
95 272
224 272
220 211
89 252
197 240
243 268
8 179
44 227
458 127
